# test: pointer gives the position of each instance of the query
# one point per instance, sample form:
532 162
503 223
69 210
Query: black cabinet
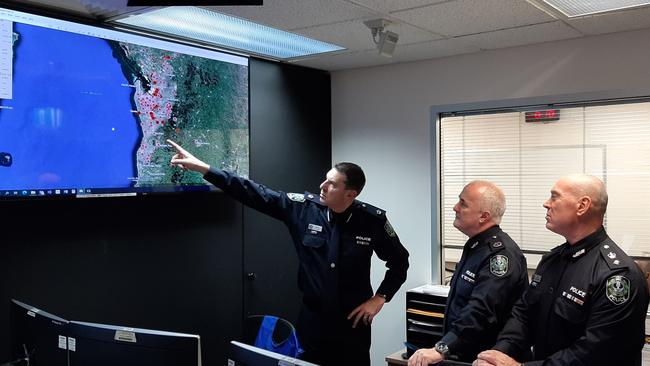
425 312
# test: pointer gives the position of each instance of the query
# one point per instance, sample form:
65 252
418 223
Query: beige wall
381 119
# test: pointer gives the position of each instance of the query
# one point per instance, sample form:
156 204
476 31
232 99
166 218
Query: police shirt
489 278
586 305
334 250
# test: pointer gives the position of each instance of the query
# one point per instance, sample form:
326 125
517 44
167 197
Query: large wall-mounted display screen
86 110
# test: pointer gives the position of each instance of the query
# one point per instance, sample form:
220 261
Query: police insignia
618 289
298 197
389 229
499 265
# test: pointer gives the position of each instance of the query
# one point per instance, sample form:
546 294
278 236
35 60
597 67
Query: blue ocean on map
71 124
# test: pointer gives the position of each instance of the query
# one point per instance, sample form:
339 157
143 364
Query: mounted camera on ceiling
384 39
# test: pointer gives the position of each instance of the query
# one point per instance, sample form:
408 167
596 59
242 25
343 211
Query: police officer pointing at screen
587 301
334 236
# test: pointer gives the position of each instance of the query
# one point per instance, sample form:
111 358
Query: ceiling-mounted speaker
192 2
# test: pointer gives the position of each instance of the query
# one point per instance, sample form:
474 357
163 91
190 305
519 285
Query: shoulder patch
499 265
297 197
618 289
389 229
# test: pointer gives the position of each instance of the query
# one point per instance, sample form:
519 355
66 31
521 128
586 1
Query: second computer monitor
109 345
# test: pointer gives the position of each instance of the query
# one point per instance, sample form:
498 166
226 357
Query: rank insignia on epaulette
499 265
298 197
618 289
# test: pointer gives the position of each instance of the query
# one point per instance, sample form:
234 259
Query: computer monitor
240 354
93 344
37 337
86 111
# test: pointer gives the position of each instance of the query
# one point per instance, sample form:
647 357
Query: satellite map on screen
92 112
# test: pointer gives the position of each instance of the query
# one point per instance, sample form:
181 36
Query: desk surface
396 359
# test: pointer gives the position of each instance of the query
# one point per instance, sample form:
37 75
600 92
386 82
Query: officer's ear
351 193
584 204
485 217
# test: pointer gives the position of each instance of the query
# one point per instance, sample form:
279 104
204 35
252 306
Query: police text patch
618 289
499 265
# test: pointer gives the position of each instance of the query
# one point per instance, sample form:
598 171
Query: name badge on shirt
314 228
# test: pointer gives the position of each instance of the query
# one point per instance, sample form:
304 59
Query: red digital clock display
543 116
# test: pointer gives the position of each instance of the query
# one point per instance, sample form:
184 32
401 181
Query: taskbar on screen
98 192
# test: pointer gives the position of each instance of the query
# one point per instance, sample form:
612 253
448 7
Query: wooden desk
396 359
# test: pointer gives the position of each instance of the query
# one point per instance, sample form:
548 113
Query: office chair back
273 334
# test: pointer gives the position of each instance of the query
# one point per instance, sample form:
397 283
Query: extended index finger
176 146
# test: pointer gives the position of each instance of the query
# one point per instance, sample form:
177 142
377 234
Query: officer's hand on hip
424 357
367 311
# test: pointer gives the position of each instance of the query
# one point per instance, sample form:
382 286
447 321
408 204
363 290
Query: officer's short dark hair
354 177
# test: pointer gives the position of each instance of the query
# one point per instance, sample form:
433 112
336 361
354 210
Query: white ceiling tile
538 33
290 14
463 17
613 22
403 53
354 35
434 49
349 60
393 5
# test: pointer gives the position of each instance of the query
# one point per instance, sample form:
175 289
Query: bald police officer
587 301
334 236
489 278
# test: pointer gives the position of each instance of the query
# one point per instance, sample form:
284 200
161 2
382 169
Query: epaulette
612 256
495 243
313 197
374 211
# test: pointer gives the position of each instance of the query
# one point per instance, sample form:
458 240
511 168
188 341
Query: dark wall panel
291 152
155 262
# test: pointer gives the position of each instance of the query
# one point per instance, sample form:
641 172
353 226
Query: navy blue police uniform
489 278
586 305
334 252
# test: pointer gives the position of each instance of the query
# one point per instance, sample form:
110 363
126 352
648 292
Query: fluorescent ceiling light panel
578 8
229 32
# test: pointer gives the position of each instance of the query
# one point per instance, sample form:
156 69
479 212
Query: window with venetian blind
525 159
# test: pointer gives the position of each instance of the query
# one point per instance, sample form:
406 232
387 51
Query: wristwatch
442 349
382 295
